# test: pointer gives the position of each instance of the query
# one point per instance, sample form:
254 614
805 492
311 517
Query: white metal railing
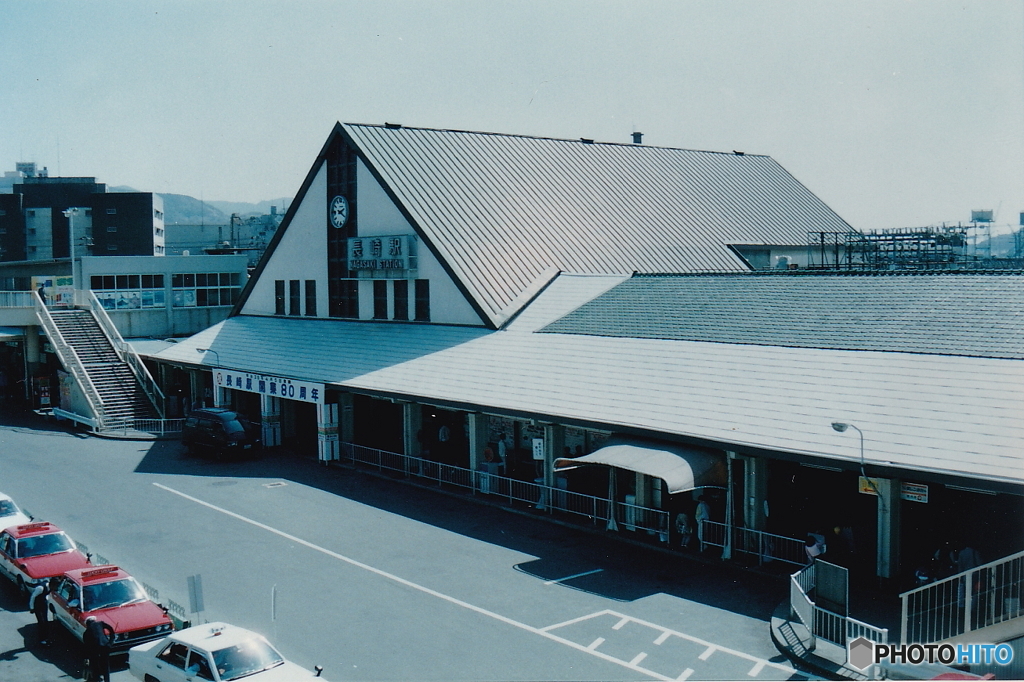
822 623
69 358
16 299
124 349
766 547
542 497
974 599
156 427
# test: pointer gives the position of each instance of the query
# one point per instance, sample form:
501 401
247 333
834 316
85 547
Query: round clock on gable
339 211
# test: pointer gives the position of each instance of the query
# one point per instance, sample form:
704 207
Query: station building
500 303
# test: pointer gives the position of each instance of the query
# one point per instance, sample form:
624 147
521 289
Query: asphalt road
374 579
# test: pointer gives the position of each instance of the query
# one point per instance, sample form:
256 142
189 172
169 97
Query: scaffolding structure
904 248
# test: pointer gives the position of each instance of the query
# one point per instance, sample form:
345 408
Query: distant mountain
181 209
244 209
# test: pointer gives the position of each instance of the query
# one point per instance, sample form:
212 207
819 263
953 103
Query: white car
10 515
217 652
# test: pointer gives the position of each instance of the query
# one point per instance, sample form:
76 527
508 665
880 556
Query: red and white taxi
112 596
34 552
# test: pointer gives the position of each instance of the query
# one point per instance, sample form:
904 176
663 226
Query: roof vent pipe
638 138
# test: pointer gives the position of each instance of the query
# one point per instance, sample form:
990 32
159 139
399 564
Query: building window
380 299
401 299
88 211
293 297
30 214
111 247
423 300
204 289
311 297
279 297
111 228
125 292
111 211
3 212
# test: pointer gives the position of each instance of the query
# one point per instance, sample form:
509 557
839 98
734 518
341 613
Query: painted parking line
710 648
570 577
542 632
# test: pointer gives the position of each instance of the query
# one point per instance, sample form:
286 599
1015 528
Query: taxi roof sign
39 525
101 571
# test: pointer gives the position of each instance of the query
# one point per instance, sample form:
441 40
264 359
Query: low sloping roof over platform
937 413
945 313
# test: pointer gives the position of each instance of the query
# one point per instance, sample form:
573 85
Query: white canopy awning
681 468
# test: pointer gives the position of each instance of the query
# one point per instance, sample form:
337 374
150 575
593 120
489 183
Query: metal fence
823 623
977 598
156 427
765 547
514 491
16 299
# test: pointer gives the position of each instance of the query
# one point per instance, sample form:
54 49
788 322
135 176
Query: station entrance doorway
298 428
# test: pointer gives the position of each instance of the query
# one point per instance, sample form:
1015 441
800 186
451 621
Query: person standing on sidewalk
38 606
702 514
97 640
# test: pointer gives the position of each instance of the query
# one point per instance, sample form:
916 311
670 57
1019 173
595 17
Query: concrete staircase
121 395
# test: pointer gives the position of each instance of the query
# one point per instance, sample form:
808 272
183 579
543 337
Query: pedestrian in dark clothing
96 639
37 605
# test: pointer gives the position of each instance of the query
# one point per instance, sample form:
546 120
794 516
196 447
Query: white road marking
639 657
756 670
596 643
710 647
686 675
662 637
570 577
415 586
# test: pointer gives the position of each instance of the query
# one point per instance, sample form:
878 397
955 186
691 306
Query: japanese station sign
385 252
914 492
290 389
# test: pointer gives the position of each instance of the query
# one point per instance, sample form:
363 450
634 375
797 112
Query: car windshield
39 545
113 593
247 658
8 508
234 426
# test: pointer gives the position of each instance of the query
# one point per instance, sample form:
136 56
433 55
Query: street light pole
210 350
70 215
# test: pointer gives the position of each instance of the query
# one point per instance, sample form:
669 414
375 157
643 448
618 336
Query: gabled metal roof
943 313
501 210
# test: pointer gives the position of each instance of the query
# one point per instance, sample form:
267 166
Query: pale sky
895 113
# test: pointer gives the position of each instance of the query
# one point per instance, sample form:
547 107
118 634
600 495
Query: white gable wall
301 253
378 215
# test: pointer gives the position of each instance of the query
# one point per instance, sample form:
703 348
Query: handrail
69 357
957 576
964 602
124 350
16 299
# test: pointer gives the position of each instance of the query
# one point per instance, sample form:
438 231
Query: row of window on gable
291 303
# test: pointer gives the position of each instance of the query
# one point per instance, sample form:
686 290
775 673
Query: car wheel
150 678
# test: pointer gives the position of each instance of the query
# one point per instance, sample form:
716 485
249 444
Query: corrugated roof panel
958 415
502 209
952 314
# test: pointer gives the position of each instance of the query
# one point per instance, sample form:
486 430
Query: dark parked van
220 432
